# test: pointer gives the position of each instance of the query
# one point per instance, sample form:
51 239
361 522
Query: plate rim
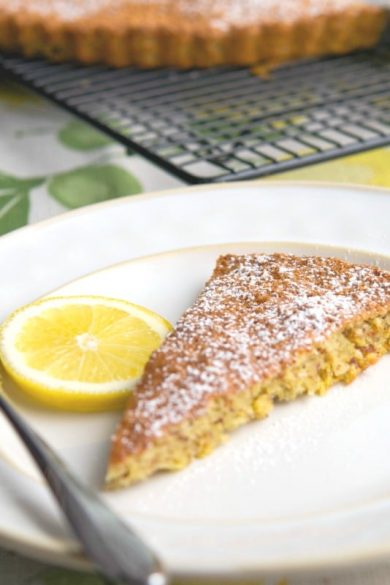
65 551
185 250
188 190
72 558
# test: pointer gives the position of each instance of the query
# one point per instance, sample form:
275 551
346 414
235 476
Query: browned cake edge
340 358
357 28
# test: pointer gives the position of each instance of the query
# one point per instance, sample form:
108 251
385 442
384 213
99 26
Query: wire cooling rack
228 124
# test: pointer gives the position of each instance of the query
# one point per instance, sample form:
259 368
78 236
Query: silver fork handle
115 548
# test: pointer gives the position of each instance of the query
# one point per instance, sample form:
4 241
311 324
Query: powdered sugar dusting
224 14
219 14
67 10
256 314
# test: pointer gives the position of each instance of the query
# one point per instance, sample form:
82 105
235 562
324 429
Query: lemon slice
80 353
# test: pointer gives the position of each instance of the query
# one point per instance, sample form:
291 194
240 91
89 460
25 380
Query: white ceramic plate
305 489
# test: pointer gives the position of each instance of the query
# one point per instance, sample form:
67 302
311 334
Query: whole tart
187 33
265 329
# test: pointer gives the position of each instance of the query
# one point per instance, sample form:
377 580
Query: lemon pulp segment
80 352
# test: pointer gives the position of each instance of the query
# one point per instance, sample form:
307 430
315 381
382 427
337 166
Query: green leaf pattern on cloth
78 135
14 201
92 184
84 165
75 188
99 180
13 211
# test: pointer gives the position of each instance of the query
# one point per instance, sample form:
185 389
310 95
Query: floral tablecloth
51 162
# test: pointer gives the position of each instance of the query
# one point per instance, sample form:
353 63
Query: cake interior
339 358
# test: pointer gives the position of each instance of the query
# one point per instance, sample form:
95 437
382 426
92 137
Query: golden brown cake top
256 314
214 14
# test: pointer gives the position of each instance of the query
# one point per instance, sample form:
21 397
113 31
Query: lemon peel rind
70 395
71 401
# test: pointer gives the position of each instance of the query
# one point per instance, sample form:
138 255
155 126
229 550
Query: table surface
49 157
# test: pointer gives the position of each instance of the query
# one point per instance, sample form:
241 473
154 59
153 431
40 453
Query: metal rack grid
228 124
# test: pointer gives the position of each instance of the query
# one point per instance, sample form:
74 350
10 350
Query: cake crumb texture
265 329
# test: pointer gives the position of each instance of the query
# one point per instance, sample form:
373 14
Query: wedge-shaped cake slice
266 328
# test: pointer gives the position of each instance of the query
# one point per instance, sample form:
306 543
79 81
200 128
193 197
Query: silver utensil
116 550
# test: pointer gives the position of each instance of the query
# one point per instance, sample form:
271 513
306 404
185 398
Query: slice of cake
187 33
266 328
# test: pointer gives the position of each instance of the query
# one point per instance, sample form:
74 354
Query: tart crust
265 329
187 33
